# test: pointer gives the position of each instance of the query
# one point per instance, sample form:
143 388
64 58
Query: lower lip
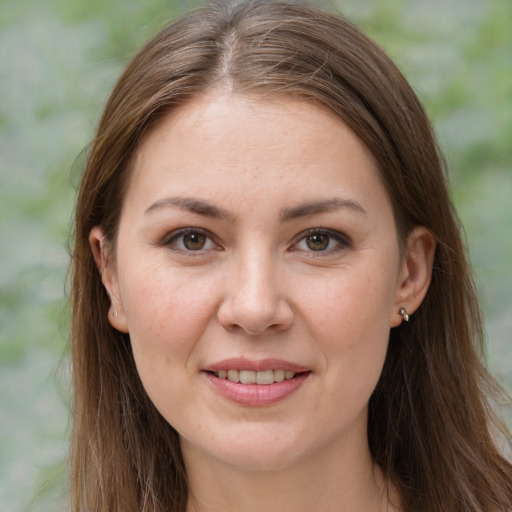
256 394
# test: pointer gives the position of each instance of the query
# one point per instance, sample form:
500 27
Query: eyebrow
201 207
316 207
192 205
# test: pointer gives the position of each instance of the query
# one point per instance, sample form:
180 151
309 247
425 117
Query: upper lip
257 366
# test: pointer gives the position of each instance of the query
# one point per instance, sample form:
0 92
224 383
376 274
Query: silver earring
403 312
115 313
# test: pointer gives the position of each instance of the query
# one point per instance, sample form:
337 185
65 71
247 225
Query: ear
106 268
415 273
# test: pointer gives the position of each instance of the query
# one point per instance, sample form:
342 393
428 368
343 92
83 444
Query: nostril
254 311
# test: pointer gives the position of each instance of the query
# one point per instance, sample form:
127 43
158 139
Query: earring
114 313
403 312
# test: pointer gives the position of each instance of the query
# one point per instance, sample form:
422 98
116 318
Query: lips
256 366
256 383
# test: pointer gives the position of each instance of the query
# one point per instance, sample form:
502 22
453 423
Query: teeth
233 375
279 375
251 377
247 377
266 377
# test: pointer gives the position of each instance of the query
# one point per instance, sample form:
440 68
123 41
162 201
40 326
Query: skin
256 282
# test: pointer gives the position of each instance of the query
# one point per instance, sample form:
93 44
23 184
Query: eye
194 241
318 242
190 240
321 240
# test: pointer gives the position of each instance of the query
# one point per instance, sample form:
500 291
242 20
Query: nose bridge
257 280
255 297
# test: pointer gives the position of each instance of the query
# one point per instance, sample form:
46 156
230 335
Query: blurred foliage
58 61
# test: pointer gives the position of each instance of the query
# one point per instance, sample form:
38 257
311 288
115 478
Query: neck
340 478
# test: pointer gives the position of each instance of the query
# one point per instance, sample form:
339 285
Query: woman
272 308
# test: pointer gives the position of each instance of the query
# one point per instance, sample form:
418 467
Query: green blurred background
58 61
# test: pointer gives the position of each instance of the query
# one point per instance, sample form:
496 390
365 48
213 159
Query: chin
261 459
252 451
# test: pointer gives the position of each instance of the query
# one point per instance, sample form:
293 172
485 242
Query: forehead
249 122
222 142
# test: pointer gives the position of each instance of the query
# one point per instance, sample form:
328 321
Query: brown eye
318 242
322 241
190 240
194 241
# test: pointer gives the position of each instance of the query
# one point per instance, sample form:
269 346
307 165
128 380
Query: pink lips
246 364
256 394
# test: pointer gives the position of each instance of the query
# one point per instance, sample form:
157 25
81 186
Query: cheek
349 319
167 317
167 314
350 307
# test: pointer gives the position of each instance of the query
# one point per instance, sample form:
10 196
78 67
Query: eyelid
343 241
169 238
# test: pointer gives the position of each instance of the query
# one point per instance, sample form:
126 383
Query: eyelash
342 241
173 238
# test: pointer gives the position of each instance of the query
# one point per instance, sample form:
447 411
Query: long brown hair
430 426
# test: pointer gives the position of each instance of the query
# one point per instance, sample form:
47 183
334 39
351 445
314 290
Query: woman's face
257 244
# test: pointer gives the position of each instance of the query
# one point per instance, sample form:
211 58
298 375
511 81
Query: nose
255 300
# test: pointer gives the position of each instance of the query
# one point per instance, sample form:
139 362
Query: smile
265 377
256 387
256 383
